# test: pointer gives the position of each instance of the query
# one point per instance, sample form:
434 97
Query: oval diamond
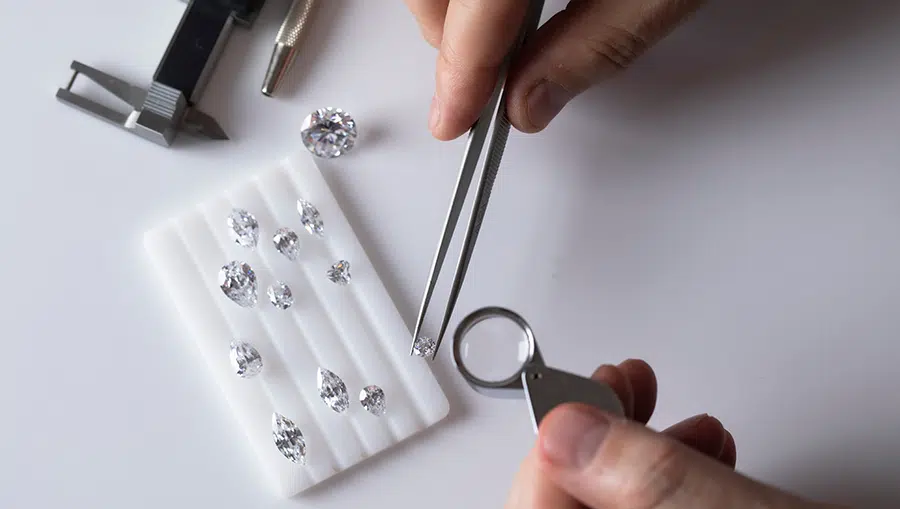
309 217
288 439
328 132
243 228
339 273
372 399
280 295
238 281
287 243
245 360
332 390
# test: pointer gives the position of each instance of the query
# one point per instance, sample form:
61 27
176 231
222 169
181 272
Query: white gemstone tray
353 330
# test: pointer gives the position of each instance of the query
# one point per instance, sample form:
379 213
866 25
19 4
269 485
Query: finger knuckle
614 47
664 476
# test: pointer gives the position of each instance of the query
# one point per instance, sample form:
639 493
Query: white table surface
727 210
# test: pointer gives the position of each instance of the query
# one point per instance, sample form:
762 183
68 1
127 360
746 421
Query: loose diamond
288 439
339 273
243 228
424 346
309 216
372 399
280 295
245 360
328 132
332 390
238 281
287 243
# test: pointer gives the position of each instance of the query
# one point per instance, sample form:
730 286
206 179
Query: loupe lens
494 349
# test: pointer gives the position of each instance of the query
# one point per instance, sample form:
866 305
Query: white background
727 210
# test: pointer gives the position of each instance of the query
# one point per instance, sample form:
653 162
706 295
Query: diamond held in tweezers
328 132
243 228
309 217
424 346
280 295
238 282
245 360
288 439
332 390
287 243
372 399
339 273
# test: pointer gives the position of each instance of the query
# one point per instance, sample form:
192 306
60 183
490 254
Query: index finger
477 36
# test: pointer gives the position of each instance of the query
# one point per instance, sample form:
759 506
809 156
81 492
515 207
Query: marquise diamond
309 217
238 281
328 132
332 390
288 439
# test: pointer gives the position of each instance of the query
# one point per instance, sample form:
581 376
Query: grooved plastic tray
354 331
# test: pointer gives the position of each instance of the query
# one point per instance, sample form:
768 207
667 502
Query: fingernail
434 117
573 436
545 102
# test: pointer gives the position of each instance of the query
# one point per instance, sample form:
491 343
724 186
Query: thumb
606 462
587 42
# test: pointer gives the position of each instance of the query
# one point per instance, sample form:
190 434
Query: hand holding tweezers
492 120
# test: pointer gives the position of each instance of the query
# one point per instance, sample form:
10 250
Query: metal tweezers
493 120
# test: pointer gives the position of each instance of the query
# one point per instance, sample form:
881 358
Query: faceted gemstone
309 216
372 399
288 439
328 132
287 243
238 281
245 360
424 346
339 273
332 390
243 228
280 295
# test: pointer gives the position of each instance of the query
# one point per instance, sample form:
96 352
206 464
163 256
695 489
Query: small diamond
287 243
328 132
339 273
245 359
238 281
288 439
424 346
280 295
372 399
309 216
243 228
332 390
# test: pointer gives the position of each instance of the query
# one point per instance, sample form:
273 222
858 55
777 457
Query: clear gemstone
424 346
309 216
328 132
280 295
243 228
372 399
245 360
339 273
287 243
332 390
238 281
288 439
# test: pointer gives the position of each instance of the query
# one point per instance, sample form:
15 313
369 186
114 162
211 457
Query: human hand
587 459
588 41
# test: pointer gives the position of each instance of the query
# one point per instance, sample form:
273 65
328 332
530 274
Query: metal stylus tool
286 44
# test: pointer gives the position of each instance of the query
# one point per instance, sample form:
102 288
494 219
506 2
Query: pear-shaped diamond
280 295
245 360
288 439
372 399
243 228
309 217
328 132
287 243
332 390
238 281
339 273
